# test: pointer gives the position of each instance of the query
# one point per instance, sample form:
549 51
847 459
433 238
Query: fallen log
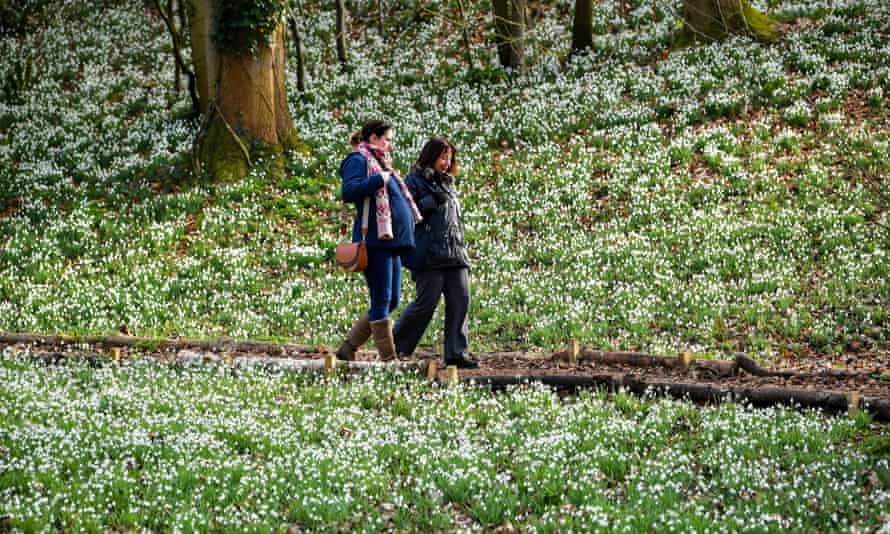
827 401
748 365
318 365
698 392
219 344
879 408
717 368
240 362
501 381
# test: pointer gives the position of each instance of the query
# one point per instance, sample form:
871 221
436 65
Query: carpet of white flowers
184 448
720 198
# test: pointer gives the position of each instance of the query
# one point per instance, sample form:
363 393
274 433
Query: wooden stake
685 359
116 354
432 369
573 352
853 400
452 375
330 364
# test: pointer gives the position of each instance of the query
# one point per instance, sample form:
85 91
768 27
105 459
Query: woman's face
443 162
382 142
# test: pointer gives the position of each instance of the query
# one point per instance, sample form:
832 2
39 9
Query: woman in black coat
439 263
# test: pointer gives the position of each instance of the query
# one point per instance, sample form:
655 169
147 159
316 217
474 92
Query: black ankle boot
462 362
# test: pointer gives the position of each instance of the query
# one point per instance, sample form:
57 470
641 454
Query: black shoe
462 362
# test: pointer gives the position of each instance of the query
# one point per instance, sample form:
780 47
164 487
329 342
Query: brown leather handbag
353 257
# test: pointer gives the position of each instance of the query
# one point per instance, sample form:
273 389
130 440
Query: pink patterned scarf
375 159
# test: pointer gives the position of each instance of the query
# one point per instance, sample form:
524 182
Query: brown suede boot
382 331
358 335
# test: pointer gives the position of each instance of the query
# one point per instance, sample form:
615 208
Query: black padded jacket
439 238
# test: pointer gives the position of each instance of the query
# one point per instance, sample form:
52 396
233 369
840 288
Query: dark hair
355 138
431 152
374 127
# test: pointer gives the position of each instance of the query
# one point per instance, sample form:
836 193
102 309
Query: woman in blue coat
367 173
439 264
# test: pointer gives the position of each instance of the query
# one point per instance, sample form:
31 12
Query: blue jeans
384 277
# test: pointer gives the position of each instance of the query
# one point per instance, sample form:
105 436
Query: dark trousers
384 278
455 285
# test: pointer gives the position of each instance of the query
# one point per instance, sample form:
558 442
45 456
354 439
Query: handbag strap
365 211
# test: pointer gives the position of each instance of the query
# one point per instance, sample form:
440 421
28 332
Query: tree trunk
177 75
710 20
582 26
205 56
298 49
189 73
463 25
380 24
509 22
243 100
176 35
341 32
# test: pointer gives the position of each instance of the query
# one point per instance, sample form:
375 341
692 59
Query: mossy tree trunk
243 99
711 20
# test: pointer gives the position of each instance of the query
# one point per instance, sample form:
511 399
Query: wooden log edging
768 395
241 362
222 344
717 368
763 396
748 365
319 365
712 368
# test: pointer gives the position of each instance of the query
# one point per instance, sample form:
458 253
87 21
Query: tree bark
205 56
217 345
189 73
711 20
238 362
179 61
243 98
380 24
298 50
466 34
582 26
177 74
341 33
717 368
509 22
